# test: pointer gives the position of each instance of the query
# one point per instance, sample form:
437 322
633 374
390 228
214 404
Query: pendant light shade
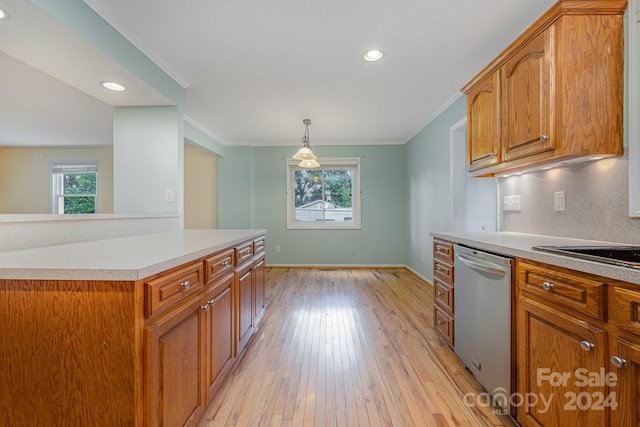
305 154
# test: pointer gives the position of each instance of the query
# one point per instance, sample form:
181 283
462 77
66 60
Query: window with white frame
327 197
74 188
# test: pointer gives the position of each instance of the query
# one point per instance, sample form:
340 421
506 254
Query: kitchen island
138 330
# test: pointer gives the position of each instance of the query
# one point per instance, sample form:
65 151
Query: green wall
258 200
428 186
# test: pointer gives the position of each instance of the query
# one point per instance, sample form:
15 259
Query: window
327 197
74 189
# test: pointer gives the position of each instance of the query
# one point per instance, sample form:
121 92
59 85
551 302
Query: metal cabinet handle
439 322
440 248
541 138
205 307
587 346
440 292
488 156
618 362
547 286
186 284
226 263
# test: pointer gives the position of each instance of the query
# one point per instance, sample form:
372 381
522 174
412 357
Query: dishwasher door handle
486 266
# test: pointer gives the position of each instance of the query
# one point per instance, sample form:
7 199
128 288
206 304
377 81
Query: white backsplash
597 202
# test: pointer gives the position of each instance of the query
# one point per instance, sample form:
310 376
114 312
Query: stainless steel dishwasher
482 301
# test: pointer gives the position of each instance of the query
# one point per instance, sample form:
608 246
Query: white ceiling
253 69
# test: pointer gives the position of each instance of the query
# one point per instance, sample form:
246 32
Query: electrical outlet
168 195
560 201
277 248
511 203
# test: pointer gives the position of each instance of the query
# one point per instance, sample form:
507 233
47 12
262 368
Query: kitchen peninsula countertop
520 244
123 258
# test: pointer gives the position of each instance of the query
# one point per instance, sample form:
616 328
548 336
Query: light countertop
520 244
124 258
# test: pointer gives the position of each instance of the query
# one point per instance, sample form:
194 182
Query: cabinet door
483 123
556 355
625 364
174 356
527 99
219 320
258 289
244 315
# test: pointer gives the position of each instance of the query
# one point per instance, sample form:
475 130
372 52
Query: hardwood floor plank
348 347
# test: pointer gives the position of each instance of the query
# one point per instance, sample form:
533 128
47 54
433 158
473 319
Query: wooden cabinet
578 348
244 302
554 348
443 288
219 331
484 123
258 288
174 366
526 101
558 89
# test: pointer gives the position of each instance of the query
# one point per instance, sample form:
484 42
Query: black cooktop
624 256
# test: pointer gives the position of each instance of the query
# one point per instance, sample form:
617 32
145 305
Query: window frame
326 163
58 170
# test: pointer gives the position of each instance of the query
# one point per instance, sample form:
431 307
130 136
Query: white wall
148 159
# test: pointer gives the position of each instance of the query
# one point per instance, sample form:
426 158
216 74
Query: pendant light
304 154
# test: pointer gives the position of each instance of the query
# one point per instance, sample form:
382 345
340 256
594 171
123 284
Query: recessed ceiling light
373 55
113 86
3 15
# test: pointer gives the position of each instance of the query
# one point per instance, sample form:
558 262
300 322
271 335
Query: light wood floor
347 347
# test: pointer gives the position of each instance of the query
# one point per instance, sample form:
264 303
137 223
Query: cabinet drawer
443 324
218 264
581 292
244 252
443 295
443 270
626 309
443 250
169 289
258 246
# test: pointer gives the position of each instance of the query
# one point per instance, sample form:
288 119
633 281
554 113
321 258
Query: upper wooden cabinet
555 94
483 123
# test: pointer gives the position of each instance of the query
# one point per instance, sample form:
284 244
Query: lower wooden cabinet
244 296
578 348
557 354
258 289
625 364
174 366
219 331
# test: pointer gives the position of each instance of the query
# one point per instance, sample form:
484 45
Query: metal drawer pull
618 362
587 346
226 263
439 322
440 292
205 307
186 284
441 249
547 286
